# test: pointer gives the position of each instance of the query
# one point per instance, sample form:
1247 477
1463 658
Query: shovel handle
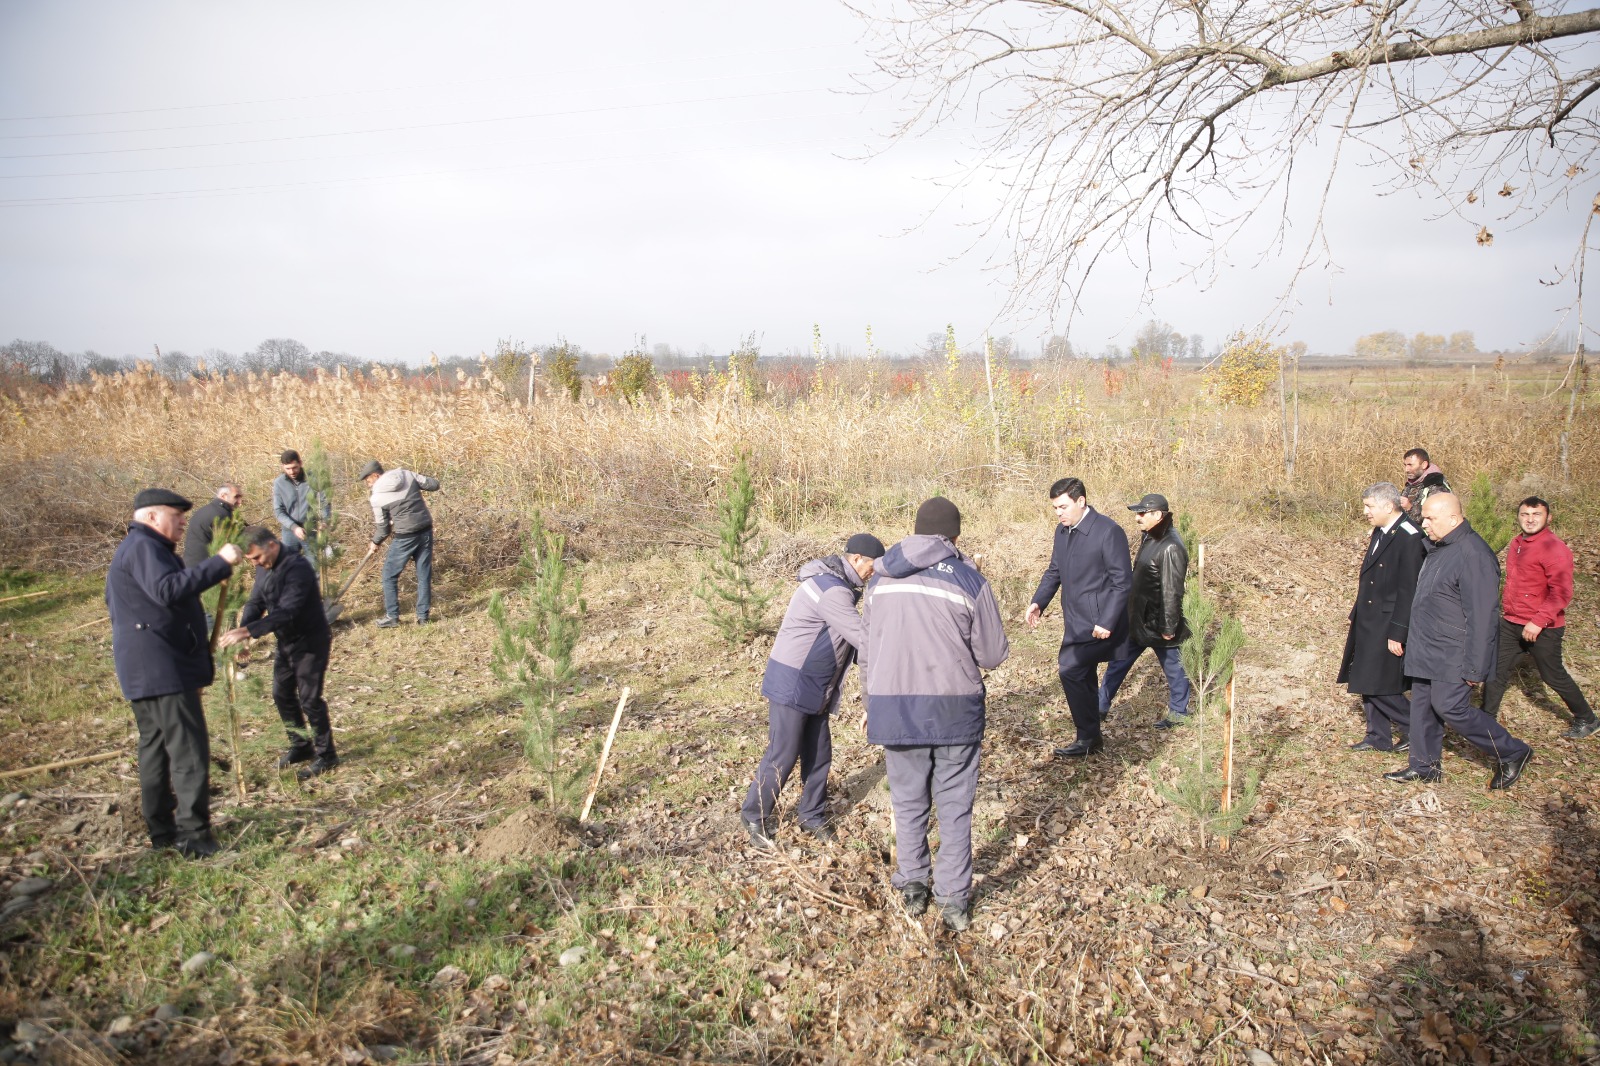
362 565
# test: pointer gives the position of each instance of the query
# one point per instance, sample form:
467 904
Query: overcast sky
393 179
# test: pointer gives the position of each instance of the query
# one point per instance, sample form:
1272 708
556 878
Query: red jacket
1538 580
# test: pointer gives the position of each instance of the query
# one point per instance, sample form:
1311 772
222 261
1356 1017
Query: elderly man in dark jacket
819 639
1155 609
1375 645
1089 565
163 659
932 627
285 600
203 523
1452 647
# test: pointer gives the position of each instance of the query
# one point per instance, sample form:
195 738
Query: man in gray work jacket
932 628
819 639
1451 647
291 505
398 508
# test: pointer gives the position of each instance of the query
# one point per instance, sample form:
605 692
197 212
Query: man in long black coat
1375 647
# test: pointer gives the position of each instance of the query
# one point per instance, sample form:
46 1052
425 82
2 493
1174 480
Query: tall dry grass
852 451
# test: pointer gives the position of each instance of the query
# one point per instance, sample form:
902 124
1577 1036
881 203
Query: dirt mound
526 833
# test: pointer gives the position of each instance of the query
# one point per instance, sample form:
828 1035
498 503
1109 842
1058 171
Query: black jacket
1155 604
287 601
1455 617
202 524
1382 611
1089 564
158 628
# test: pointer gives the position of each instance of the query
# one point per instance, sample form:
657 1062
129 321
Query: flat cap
372 467
864 544
1152 501
160 498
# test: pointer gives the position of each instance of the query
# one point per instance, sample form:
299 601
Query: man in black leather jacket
1155 609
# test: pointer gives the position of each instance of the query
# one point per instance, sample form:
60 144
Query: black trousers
1385 714
792 736
1546 652
174 771
297 676
1079 666
1435 704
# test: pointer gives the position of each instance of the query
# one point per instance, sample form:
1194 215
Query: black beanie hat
864 544
939 517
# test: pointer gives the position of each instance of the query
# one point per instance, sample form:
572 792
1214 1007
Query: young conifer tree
533 657
322 522
230 597
734 604
1494 523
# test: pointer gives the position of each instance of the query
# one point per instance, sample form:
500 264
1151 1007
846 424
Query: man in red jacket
1533 615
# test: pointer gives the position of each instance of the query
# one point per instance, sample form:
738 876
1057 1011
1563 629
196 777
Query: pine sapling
322 523
533 657
229 600
734 604
1493 522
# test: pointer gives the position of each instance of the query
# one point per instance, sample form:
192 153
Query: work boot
915 896
320 765
296 753
199 847
823 831
761 834
956 918
388 623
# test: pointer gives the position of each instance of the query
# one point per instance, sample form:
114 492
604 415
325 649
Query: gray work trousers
174 767
920 778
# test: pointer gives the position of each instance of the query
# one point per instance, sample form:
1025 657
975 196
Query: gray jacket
818 639
1455 613
932 626
397 504
291 500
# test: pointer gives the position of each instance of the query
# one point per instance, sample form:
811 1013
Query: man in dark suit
1375 646
286 600
1089 564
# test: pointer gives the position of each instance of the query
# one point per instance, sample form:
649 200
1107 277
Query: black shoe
1080 749
915 896
1509 770
956 919
1409 775
1582 727
822 831
1366 745
1105 714
760 835
388 623
320 765
297 753
1404 745
201 847
1172 721
422 620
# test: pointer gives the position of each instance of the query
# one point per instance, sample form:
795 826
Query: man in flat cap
819 639
398 508
163 659
1155 609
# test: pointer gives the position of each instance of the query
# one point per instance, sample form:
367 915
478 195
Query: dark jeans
297 675
1385 715
402 549
174 776
1433 703
1546 652
792 736
1171 661
1080 665
922 778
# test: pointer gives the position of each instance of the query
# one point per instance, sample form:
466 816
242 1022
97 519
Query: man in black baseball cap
819 639
163 659
1155 609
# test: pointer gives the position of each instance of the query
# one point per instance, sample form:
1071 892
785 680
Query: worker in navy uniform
163 659
1451 650
1090 565
1375 646
286 601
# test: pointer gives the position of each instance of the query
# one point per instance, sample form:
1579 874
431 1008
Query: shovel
333 608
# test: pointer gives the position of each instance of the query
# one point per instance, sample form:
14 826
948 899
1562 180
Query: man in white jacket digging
398 508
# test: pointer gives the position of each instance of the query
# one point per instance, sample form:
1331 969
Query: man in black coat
286 600
162 654
1374 648
1155 610
1451 650
203 523
1089 565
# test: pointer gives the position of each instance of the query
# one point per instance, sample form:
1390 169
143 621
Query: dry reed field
413 907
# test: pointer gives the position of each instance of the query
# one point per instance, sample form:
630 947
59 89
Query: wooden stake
605 753
1202 567
86 625
1227 760
63 764
27 595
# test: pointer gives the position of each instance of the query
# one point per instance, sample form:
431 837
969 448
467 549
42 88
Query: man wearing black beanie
819 639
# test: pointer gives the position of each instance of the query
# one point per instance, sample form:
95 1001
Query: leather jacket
1155 604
